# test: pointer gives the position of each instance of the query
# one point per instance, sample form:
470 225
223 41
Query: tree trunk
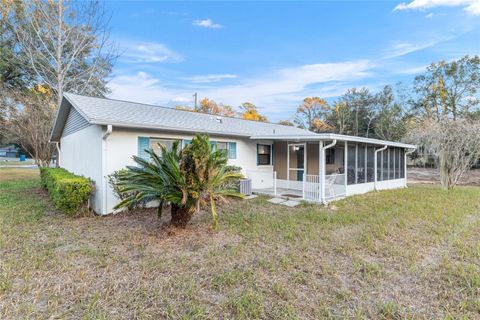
181 215
214 212
445 173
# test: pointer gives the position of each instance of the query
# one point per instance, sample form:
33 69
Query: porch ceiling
333 136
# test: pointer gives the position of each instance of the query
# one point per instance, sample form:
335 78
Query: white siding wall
81 154
121 145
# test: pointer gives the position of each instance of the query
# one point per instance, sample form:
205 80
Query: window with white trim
264 154
156 143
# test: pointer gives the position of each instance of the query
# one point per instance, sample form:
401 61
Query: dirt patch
427 175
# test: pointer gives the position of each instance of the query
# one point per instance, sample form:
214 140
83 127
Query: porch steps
285 202
277 200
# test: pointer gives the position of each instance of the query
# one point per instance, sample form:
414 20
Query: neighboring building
99 136
10 151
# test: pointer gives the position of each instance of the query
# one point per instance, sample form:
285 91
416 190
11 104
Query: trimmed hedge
69 192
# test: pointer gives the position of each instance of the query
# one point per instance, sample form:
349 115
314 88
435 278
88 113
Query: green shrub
69 192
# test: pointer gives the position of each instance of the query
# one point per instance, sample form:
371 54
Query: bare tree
67 44
30 124
454 143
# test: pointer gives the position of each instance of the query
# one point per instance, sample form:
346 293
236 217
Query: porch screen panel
385 164
351 163
361 163
379 166
397 163
401 162
390 164
370 164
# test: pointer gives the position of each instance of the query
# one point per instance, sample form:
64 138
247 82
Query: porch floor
281 192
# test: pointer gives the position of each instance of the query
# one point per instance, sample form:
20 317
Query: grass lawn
412 253
14 162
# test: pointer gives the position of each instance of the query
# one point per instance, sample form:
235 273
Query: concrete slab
252 196
277 200
290 203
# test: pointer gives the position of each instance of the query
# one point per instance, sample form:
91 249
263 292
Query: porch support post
321 181
275 183
323 169
345 166
303 185
376 166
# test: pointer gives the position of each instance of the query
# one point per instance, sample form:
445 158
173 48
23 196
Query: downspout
323 171
375 167
57 145
405 165
104 167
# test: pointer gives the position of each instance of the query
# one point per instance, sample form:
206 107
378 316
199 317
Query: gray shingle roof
136 115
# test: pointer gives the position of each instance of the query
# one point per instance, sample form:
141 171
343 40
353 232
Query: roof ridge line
174 109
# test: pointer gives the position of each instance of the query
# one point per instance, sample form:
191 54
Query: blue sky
274 54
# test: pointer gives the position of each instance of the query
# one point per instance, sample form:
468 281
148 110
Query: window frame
270 162
214 144
153 139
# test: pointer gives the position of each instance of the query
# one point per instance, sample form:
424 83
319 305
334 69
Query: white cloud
470 6
209 78
278 93
207 23
142 87
401 48
148 52
413 70
429 16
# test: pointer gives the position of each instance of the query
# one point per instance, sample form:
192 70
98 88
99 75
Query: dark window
330 156
263 154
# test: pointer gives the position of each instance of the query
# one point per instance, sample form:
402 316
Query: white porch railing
309 188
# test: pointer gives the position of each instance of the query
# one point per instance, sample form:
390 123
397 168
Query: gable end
75 122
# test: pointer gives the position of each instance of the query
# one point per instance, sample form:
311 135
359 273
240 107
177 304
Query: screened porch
321 171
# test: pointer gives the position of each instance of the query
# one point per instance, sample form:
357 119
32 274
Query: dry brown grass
410 253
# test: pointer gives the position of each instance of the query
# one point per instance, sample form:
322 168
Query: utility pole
195 97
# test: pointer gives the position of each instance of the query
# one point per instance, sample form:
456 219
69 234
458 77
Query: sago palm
206 172
186 179
149 181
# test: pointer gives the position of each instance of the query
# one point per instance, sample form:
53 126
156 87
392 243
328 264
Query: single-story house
97 136
10 151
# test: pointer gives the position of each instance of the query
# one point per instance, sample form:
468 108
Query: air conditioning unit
245 186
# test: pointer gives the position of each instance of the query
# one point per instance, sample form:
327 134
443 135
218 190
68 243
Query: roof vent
218 119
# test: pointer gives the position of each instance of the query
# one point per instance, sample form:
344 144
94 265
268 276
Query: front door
296 161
